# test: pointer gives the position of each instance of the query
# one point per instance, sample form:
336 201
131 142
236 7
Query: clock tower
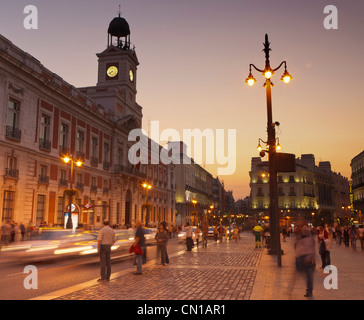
117 74
118 63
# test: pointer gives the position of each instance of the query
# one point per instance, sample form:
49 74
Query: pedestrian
221 232
257 230
165 228
197 235
216 233
236 233
361 236
139 240
189 240
162 237
346 236
284 234
105 241
305 256
17 234
22 229
339 238
324 249
353 237
205 235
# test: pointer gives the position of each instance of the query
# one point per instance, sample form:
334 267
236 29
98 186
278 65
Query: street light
194 213
69 160
146 187
271 144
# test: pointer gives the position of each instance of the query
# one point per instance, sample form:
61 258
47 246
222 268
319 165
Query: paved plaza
226 271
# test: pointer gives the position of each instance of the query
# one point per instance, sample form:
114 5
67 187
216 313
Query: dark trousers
325 259
161 250
189 243
307 268
105 261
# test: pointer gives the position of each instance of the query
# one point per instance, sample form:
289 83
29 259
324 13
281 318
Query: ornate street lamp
271 144
146 187
69 160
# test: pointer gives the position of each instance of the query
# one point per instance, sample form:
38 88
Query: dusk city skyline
181 156
195 57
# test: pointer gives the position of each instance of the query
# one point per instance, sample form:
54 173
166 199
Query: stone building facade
44 118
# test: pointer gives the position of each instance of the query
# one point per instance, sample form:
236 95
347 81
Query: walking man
305 255
189 241
105 241
257 230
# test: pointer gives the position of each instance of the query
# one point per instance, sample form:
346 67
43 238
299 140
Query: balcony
43 179
45 145
94 161
64 150
292 194
106 165
130 171
13 134
80 156
12 173
63 183
93 188
79 186
105 190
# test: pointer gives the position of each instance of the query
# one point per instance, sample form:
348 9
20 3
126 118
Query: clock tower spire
118 63
117 74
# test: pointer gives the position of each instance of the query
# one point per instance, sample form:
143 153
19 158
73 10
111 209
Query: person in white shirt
105 241
189 241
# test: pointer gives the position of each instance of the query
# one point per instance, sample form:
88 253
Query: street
62 273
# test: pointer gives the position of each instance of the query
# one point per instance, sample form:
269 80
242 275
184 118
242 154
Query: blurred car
211 232
182 234
51 243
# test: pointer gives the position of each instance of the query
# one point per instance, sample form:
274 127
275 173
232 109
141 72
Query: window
40 208
12 121
64 139
11 167
80 143
45 130
43 174
63 180
60 210
106 162
8 206
79 181
94 151
104 210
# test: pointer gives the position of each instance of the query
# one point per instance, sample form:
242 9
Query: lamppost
78 163
194 213
146 187
272 144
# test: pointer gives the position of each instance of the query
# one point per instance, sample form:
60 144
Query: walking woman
324 249
352 234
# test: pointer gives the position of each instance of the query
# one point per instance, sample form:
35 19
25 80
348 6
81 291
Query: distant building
192 183
309 193
357 176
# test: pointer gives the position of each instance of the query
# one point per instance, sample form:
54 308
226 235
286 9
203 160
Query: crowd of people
12 232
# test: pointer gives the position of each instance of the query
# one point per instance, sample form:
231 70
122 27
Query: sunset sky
194 57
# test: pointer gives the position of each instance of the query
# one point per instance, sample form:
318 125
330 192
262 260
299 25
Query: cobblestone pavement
222 271
226 271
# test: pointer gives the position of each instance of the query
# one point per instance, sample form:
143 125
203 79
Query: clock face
112 71
131 75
